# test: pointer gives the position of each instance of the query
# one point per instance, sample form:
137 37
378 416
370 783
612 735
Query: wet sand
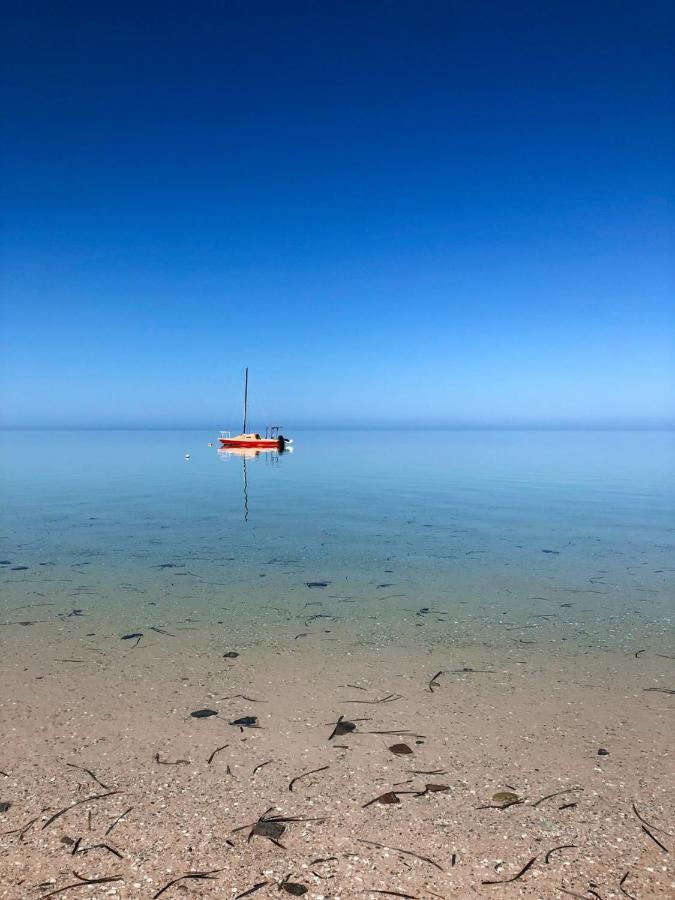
78 697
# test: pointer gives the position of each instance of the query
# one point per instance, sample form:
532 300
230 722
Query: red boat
273 439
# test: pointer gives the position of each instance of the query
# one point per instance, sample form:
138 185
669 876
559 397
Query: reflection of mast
243 459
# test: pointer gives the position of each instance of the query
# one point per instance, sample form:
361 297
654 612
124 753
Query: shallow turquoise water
566 533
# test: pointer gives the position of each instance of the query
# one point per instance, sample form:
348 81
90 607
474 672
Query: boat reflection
271 456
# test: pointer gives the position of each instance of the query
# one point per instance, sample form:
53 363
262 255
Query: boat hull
259 443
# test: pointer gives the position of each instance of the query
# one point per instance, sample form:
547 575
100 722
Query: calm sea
546 537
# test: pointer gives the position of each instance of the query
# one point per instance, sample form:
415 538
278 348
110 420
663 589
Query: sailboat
273 440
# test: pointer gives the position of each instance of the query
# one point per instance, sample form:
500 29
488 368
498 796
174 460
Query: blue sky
395 213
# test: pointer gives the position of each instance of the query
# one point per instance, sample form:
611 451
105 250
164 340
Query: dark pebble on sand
271 830
231 654
293 887
603 752
247 721
4 806
203 713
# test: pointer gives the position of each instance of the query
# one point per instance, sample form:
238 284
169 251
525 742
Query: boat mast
243 430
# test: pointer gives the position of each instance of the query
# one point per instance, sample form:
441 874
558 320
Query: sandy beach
108 775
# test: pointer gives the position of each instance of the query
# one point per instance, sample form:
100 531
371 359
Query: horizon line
670 426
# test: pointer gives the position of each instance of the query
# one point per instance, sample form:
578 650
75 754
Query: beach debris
547 858
22 829
106 787
4 805
428 772
317 584
390 698
292 887
161 631
203 713
81 881
603 752
78 849
433 789
246 722
399 850
621 887
515 877
505 797
434 683
342 726
117 821
270 830
201 876
505 805
231 654
166 762
241 697
400 731
655 839
66 809
400 749
305 774
389 797
467 670
658 690
262 765
272 827
645 822
256 887
393 894
129 637
317 616
557 794
217 750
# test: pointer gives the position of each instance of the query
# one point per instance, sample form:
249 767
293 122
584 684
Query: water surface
537 537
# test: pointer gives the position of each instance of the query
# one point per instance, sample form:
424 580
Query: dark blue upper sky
451 213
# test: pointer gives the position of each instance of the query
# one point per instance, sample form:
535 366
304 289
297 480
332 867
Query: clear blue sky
449 213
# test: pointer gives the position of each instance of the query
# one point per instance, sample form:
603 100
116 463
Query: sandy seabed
100 730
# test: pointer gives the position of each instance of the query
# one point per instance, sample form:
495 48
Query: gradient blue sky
446 213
